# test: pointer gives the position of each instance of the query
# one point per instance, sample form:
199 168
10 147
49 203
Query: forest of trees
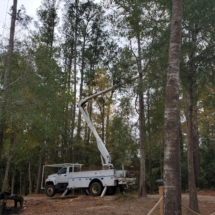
79 47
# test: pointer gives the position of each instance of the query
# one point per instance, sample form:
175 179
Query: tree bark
81 85
72 148
20 183
149 159
5 181
4 96
13 182
142 185
196 152
193 200
39 175
68 114
29 176
108 117
172 169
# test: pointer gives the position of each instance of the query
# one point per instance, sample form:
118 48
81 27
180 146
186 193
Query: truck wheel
50 190
95 189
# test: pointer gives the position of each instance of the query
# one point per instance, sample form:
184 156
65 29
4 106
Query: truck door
62 176
76 179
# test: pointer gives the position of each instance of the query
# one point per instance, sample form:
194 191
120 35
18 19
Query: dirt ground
128 204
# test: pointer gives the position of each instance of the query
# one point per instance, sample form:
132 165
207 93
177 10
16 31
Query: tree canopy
81 47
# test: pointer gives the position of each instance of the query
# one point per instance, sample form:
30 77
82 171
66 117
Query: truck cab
59 181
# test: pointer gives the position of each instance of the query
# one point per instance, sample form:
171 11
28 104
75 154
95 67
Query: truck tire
95 189
50 190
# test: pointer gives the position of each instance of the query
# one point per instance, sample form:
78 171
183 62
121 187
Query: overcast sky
5 5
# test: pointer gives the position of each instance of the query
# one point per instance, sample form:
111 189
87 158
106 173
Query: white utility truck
95 182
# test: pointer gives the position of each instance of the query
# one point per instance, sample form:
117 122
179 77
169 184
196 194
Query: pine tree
172 171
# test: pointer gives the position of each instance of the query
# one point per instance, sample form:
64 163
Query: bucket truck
96 182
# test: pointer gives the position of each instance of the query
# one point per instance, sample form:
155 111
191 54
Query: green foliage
41 97
48 17
121 143
207 180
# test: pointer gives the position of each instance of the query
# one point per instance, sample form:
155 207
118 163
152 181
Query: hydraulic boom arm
106 161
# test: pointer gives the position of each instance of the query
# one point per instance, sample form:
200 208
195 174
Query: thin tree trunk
68 114
81 92
149 139
24 186
193 200
161 159
172 169
108 117
29 177
20 183
72 148
81 86
196 152
13 182
5 181
3 97
142 185
39 175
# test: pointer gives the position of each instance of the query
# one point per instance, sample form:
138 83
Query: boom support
106 158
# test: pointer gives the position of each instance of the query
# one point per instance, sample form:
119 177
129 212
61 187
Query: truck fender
96 180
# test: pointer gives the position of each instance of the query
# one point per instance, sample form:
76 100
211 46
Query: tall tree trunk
142 186
13 182
193 200
24 186
20 183
81 85
196 152
3 100
68 114
72 148
29 177
149 138
39 175
5 181
108 117
172 169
